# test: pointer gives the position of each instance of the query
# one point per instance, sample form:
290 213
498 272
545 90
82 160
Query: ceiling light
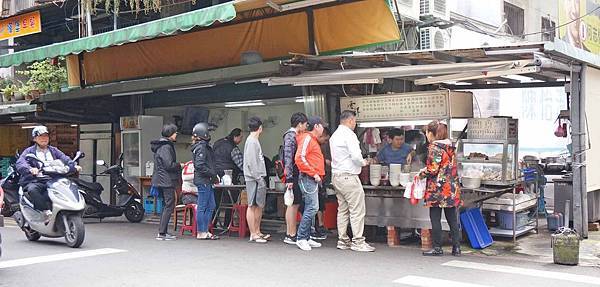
131 93
244 104
28 127
340 82
17 118
296 5
192 87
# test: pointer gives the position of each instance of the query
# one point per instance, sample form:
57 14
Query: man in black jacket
166 176
228 156
204 176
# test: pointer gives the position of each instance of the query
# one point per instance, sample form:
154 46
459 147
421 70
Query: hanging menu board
493 128
409 106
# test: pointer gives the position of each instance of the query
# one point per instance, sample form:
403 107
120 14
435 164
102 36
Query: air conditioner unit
437 9
409 9
433 38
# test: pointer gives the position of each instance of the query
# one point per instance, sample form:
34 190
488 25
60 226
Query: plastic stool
192 225
242 225
189 225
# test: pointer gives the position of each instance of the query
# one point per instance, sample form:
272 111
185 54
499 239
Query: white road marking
432 282
525 271
57 257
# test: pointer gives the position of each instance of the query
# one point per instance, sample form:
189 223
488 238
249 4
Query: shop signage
493 128
130 123
580 29
20 25
409 106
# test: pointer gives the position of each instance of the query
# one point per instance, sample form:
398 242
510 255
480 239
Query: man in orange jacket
311 165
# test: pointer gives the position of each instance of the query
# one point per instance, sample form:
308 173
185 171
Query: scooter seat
93 186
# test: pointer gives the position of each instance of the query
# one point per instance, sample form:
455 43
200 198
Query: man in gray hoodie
166 176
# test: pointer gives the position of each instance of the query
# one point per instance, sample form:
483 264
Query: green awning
166 26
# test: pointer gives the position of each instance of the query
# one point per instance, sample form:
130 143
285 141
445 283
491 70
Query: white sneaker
362 247
341 245
303 244
314 244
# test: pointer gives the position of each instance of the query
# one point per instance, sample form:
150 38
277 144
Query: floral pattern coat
443 187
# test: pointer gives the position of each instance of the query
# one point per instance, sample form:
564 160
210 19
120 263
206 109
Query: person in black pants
166 176
443 189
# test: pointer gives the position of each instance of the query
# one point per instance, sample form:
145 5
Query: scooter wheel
134 212
32 235
76 231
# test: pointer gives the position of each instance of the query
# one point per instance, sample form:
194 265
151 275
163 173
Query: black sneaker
317 235
290 239
323 230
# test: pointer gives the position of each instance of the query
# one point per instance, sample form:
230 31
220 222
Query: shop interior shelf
494 231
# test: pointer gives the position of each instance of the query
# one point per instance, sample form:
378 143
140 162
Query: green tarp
166 26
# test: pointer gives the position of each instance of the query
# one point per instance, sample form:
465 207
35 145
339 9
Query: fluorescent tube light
17 118
393 124
255 103
340 82
28 127
131 93
192 87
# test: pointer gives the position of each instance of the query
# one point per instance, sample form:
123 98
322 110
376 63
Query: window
548 29
515 19
5 8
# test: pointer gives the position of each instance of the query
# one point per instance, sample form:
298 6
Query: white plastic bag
415 190
288 197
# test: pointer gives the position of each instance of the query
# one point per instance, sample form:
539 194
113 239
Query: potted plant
45 77
8 92
26 91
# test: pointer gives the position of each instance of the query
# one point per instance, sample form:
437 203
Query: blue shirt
388 155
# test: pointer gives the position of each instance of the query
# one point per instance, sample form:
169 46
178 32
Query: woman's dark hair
254 123
298 118
439 130
326 131
234 133
168 130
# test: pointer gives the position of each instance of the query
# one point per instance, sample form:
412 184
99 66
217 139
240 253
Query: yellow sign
579 22
21 25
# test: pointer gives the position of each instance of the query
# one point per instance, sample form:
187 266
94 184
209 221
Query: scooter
10 185
67 206
129 199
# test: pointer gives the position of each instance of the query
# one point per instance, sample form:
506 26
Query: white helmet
39 130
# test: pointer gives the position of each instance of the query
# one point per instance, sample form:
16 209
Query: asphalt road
125 254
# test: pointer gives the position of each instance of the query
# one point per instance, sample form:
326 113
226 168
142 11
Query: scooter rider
30 172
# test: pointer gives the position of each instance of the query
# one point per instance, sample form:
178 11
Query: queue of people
308 161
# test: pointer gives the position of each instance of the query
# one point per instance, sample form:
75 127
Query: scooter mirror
100 162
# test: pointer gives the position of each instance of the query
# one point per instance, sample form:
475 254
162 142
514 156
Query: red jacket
309 157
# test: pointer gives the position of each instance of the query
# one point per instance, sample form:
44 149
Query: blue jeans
310 194
206 206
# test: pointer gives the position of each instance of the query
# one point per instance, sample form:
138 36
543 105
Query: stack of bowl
395 172
375 174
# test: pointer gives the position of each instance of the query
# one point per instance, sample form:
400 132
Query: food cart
386 205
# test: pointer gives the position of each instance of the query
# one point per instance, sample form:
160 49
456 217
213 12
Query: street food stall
386 204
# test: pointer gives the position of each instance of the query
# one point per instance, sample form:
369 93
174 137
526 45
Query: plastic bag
288 197
415 190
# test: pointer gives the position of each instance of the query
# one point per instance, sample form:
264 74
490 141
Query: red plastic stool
189 223
242 225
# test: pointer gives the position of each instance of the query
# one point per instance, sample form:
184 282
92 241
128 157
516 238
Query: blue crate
477 231
149 204
505 219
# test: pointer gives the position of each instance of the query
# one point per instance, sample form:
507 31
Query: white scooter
67 206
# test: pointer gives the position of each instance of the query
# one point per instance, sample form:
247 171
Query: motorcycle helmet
200 130
38 131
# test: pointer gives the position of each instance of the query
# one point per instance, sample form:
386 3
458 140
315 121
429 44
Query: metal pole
584 123
578 149
88 21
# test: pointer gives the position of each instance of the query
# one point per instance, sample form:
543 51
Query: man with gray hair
346 164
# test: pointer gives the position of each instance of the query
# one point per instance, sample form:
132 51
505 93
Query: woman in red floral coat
443 188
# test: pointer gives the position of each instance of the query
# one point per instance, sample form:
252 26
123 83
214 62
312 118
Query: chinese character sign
20 25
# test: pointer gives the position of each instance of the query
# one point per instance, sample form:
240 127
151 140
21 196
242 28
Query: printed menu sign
398 106
20 25
493 129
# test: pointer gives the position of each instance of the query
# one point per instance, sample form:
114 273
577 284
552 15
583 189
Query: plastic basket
149 204
476 229
505 219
